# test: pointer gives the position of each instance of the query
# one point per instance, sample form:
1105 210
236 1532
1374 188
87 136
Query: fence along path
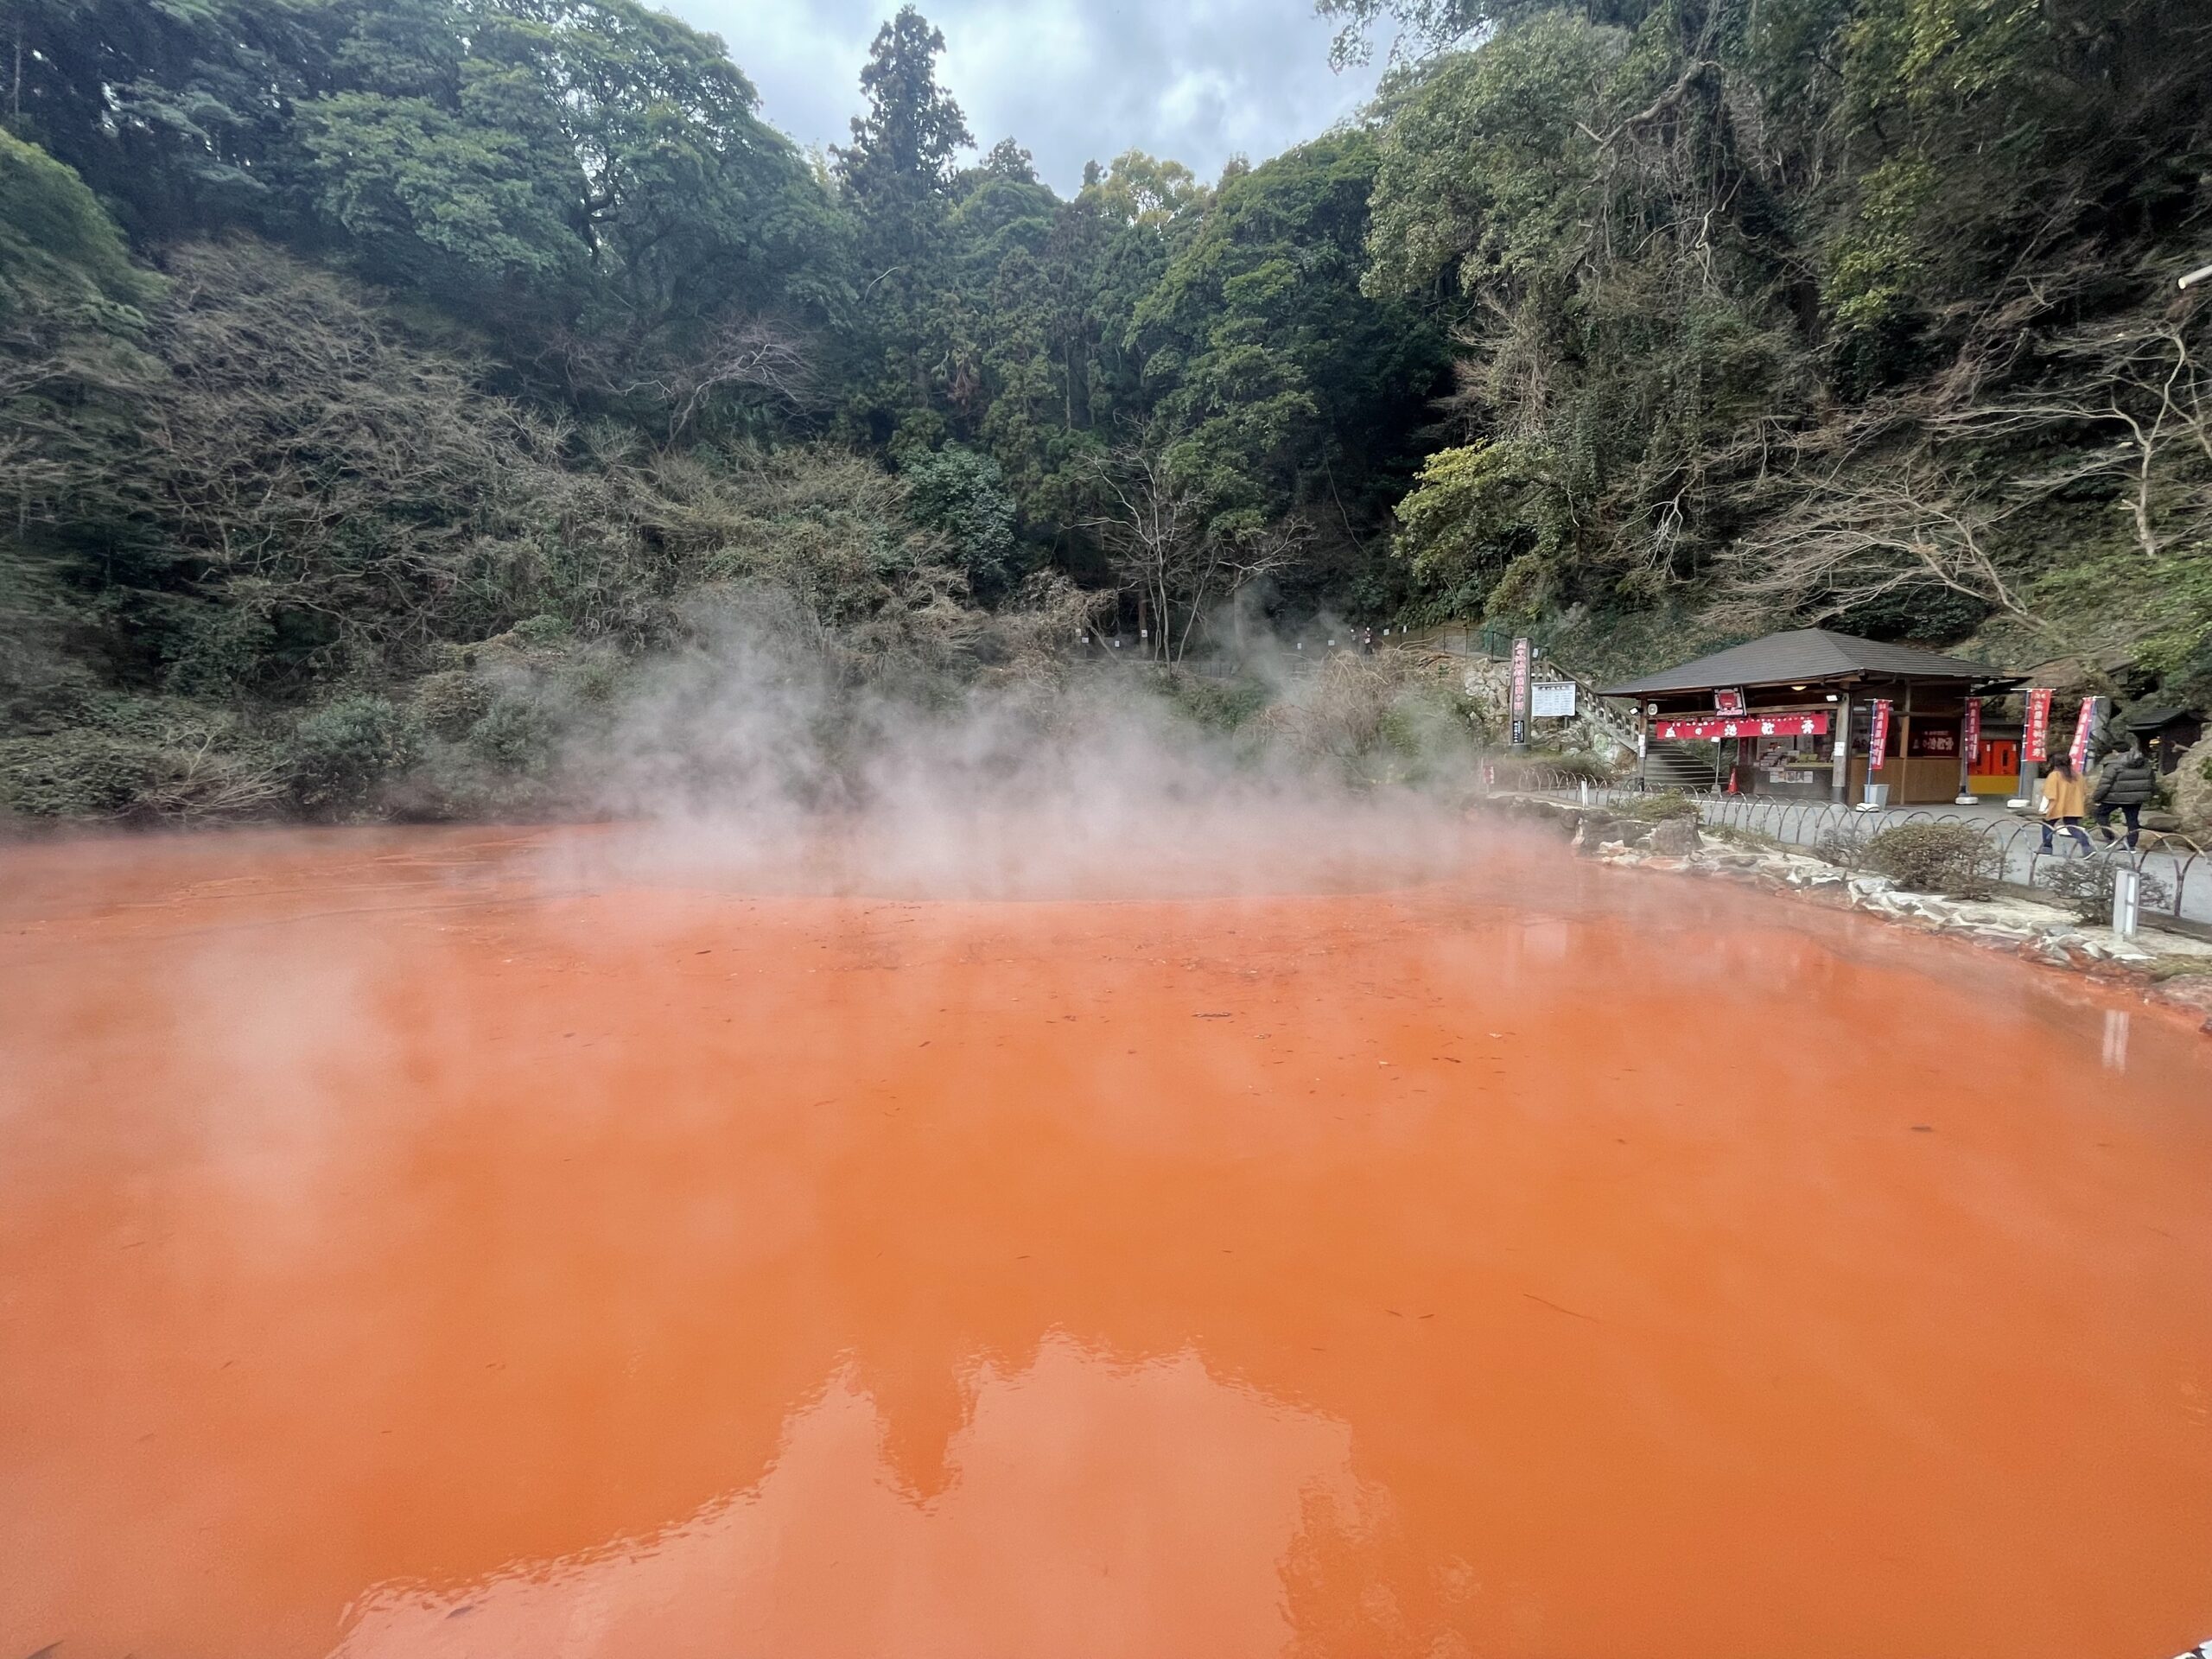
2176 870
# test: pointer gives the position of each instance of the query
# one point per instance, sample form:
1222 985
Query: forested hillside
1860 311
388 384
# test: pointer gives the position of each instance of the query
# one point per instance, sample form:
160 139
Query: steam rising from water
755 757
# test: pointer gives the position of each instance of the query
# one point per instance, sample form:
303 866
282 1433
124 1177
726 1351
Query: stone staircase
1682 765
1599 725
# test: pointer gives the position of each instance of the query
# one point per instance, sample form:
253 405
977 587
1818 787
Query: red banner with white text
2084 723
1877 735
1741 726
2039 733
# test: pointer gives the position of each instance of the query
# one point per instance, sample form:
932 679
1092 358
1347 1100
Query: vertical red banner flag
2082 725
1970 732
1877 735
2039 733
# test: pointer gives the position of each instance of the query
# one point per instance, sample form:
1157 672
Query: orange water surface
421 1242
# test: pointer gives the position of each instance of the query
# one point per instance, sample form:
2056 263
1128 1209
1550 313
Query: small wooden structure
2165 733
1794 714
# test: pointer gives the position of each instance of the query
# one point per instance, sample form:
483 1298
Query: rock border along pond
2171 970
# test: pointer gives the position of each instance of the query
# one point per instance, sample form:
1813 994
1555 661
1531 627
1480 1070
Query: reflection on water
1086 1508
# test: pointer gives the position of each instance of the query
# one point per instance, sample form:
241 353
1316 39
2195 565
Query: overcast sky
1074 80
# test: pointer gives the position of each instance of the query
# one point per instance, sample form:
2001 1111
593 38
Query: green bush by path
1956 860
1660 807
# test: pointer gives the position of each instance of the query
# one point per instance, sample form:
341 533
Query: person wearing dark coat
2129 782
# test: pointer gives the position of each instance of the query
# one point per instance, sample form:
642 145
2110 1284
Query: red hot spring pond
578 1243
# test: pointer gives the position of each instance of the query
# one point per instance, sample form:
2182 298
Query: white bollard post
2127 900
1585 792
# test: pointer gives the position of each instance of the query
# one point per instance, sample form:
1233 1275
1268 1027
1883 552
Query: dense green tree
1282 383
592 173
1798 305
180 115
899 167
900 175
588 179
964 495
1620 312
73 372
62 258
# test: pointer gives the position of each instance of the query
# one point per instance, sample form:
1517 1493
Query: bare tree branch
1860 529
1159 542
746 354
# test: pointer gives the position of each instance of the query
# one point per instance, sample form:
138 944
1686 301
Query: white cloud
1074 80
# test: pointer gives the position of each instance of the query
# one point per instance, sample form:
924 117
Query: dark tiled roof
1805 655
2149 720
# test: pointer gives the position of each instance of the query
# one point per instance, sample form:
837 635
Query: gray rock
1594 832
1675 838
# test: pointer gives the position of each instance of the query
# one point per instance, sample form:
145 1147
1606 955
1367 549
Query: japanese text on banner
2084 724
1743 725
2039 733
1520 710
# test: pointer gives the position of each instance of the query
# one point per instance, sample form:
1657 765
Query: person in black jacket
2129 782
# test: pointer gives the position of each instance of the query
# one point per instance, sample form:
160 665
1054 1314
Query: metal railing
2177 868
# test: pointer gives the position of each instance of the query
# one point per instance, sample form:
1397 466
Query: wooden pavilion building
1795 715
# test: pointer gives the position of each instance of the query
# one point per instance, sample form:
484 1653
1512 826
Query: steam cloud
755 755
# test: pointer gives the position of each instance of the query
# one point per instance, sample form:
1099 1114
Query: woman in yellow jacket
2065 799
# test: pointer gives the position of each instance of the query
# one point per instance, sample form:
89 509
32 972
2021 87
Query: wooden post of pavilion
1840 774
1905 745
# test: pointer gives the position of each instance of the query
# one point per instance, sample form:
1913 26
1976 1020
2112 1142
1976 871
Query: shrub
343 750
1393 717
595 678
75 774
964 495
515 734
1842 847
1668 803
1217 705
1579 767
2085 887
541 632
1747 838
1953 859
451 701
212 649
1536 769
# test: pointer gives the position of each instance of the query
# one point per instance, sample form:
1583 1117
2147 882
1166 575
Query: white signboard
1552 699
